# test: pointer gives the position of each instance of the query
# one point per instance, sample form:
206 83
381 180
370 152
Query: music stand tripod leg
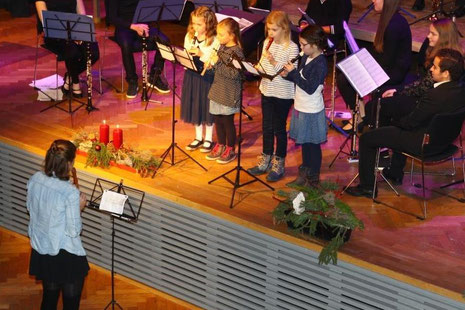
113 302
173 144
236 184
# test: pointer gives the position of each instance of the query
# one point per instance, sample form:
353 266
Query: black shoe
77 93
133 89
65 87
157 81
359 191
395 180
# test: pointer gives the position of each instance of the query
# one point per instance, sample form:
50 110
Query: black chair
443 130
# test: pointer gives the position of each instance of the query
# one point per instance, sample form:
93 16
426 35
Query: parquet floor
432 251
19 291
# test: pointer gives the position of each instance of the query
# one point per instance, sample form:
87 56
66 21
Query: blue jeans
274 117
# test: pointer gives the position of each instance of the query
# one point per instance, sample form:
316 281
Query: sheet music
184 58
113 202
165 52
371 65
243 23
236 64
250 68
363 72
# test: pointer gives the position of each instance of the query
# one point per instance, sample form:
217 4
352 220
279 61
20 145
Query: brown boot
312 180
301 178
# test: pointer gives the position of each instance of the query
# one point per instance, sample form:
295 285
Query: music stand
218 5
365 75
71 27
181 56
148 11
129 213
377 168
239 64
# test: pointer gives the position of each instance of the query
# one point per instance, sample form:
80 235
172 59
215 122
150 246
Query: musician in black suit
407 133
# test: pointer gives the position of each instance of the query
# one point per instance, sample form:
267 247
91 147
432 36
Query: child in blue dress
308 122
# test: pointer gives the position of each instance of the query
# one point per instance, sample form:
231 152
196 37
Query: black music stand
218 5
129 213
71 27
365 75
182 57
149 11
239 64
377 168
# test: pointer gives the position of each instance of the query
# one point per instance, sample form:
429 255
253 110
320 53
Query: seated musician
407 134
129 38
74 52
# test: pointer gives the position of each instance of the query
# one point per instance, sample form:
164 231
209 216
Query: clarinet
89 80
144 67
291 61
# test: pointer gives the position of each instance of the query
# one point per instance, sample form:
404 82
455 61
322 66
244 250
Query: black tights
311 157
71 295
225 130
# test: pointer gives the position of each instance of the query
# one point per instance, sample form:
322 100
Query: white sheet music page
113 202
165 51
363 72
250 68
184 58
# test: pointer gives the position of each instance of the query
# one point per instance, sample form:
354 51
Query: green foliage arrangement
320 209
101 155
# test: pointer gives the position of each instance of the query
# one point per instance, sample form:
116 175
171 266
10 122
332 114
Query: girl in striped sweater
277 95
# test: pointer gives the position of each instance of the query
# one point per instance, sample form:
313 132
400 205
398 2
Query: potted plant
318 212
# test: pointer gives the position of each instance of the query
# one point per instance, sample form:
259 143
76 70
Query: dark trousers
312 157
71 295
391 137
225 130
274 117
129 42
73 54
392 108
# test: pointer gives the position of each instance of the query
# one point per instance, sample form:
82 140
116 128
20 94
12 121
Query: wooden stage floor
429 254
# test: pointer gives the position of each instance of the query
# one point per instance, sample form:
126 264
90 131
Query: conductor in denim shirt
58 258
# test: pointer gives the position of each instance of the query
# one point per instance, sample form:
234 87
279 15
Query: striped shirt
278 87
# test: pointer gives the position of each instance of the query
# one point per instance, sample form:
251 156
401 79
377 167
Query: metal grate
210 262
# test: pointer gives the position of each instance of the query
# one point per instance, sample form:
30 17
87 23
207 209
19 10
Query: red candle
117 137
104 135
